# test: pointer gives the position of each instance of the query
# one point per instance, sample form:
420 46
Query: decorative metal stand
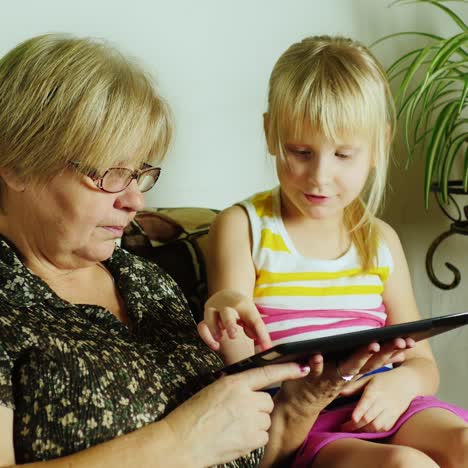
459 226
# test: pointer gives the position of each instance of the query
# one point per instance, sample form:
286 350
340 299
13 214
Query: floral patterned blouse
76 376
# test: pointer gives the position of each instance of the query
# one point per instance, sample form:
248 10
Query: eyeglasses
117 179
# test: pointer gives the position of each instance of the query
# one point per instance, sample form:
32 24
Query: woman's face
72 223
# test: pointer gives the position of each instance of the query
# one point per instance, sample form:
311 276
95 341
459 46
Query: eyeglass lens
117 179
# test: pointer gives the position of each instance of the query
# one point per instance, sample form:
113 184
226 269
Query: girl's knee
399 456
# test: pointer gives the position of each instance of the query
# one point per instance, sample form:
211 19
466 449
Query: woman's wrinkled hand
225 313
328 380
230 417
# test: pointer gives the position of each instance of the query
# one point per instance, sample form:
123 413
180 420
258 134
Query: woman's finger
262 377
354 365
264 402
389 353
263 421
353 387
316 364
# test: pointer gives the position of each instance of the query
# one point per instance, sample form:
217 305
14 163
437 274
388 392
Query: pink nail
305 369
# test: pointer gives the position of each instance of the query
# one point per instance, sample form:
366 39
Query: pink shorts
327 427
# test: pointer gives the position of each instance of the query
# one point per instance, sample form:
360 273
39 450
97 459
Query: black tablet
340 346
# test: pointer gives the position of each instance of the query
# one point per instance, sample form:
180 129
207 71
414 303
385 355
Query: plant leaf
405 33
465 182
434 145
451 153
438 4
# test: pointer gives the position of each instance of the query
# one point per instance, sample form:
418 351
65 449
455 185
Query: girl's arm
387 395
231 280
419 370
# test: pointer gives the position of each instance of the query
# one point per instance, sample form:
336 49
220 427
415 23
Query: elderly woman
100 362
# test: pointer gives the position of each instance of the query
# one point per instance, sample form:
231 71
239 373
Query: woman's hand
299 402
230 417
329 380
225 311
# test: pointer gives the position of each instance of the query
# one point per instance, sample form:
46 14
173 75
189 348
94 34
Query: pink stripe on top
331 326
272 315
350 318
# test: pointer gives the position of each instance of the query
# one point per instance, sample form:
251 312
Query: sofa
176 239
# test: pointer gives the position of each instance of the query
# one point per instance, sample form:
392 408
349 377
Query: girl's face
71 223
320 177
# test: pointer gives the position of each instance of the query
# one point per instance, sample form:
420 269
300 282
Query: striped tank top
301 298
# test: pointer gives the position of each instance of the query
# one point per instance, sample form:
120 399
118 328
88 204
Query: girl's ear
12 180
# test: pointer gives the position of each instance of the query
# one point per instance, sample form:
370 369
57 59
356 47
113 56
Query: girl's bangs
335 115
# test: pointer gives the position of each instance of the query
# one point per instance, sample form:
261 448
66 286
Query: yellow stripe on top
263 204
272 241
268 277
318 291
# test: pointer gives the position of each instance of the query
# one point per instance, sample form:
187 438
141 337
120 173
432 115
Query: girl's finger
378 424
229 318
367 418
211 318
363 406
261 333
207 337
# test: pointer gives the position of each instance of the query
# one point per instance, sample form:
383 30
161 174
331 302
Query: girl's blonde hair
336 86
77 99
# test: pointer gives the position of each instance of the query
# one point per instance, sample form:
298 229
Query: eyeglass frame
135 175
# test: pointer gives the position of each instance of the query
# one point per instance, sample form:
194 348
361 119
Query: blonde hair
336 86
64 98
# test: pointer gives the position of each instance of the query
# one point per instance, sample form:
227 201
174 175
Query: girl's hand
383 401
230 417
225 311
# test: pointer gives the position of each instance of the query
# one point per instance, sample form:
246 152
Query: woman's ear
12 180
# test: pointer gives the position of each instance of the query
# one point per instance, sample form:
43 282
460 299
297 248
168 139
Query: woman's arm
153 445
224 421
7 452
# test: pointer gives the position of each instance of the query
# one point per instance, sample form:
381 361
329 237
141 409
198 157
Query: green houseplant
431 97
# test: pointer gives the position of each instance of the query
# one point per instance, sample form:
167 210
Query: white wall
212 60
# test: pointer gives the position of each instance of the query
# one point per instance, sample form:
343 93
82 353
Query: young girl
309 258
